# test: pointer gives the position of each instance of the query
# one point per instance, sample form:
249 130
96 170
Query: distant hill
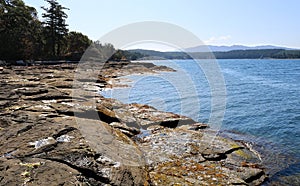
232 54
152 54
213 48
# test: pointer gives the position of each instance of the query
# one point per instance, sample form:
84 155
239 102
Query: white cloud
217 40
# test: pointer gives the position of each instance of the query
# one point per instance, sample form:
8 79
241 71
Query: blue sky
216 22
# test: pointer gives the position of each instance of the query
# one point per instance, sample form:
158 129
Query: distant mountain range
213 48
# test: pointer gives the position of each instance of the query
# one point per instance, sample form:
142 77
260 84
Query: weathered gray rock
129 131
57 131
186 157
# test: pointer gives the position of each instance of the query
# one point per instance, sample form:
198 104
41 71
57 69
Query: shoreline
44 127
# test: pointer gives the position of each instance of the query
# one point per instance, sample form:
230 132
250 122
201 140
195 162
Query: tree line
259 54
234 54
24 37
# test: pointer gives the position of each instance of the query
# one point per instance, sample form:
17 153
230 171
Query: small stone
107 161
42 142
64 139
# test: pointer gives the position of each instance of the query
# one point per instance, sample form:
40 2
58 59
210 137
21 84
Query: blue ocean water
261 97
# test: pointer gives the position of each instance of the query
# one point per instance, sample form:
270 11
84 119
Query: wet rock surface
55 129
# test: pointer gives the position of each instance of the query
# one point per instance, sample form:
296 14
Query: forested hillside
234 54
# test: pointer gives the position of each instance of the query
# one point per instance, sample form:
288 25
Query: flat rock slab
187 157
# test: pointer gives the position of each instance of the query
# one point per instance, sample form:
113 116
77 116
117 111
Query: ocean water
257 101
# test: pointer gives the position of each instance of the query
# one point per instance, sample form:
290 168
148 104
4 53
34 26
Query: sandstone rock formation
51 136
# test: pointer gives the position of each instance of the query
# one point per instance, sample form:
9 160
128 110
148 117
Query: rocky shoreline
56 129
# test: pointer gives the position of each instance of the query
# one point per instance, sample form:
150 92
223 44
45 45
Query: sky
215 22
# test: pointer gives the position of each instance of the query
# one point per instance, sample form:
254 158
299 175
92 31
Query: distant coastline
142 55
234 54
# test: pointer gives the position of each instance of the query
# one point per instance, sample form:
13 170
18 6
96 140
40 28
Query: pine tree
55 26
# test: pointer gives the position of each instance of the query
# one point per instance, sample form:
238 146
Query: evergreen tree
17 25
55 27
77 42
24 37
